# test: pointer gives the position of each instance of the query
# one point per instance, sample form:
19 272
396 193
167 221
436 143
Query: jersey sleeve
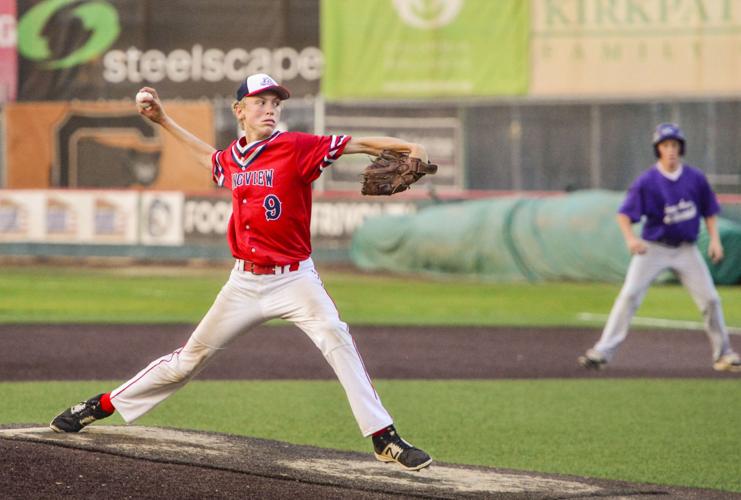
317 152
632 205
708 201
218 169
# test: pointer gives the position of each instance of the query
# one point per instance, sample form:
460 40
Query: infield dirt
140 462
89 352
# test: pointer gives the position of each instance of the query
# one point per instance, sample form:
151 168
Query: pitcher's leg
333 339
342 355
303 300
642 271
695 276
233 313
159 380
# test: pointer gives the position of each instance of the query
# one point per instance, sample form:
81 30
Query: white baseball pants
246 301
643 270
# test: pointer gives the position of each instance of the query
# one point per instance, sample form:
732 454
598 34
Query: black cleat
75 418
389 447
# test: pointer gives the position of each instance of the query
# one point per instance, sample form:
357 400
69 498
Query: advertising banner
78 217
627 47
22 215
333 220
336 220
66 217
8 57
91 217
164 218
103 49
408 48
102 145
161 217
206 218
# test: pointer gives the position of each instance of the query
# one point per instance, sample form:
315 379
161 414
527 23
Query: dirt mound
146 462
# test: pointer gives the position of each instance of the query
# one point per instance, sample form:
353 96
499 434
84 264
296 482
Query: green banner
424 48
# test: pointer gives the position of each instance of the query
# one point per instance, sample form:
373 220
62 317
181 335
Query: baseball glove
392 172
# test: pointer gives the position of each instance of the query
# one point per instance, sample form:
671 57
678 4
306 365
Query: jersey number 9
272 207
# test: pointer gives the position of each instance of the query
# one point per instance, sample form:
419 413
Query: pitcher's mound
147 462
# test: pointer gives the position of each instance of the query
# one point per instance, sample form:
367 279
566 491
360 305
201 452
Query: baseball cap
258 83
666 131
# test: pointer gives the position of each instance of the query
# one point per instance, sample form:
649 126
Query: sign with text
206 218
338 219
164 218
629 47
103 49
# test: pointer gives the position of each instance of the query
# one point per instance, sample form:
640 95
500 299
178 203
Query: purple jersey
672 208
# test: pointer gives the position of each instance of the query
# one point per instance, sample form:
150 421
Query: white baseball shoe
592 360
730 362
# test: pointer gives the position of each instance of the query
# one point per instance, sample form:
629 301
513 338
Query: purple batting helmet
666 131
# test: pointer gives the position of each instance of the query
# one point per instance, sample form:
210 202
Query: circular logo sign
428 14
98 17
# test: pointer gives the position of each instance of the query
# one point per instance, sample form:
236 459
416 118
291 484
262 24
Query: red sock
378 433
105 403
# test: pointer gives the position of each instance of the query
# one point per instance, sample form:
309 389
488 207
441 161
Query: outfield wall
187 225
161 225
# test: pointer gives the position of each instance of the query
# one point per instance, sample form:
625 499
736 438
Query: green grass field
678 432
48 294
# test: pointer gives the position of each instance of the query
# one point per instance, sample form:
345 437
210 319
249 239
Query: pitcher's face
258 115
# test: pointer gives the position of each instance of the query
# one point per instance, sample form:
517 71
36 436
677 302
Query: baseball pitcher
671 197
269 173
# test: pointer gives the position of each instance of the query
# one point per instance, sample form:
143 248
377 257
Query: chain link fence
541 146
567 146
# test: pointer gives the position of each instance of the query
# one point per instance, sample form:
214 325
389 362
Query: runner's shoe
75 418
389 447
730 362
592 360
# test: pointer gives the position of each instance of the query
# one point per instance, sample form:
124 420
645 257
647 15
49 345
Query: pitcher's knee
631 298
186 362
333 334
711 304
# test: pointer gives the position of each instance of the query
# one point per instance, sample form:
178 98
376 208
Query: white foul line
662 323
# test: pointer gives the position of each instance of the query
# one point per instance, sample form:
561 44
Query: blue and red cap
259 83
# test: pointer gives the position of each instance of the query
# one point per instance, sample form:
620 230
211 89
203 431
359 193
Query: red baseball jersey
271 193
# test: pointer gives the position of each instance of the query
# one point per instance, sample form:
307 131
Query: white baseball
144 99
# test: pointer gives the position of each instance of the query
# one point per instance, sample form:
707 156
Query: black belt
670 243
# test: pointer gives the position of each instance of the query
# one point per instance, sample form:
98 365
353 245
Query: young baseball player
270 173
672 197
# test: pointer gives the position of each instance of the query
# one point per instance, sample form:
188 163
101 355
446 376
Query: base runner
672 197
